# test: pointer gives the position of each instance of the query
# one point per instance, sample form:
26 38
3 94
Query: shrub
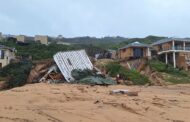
16 73
115 68
158 65
135 77
176 72
173 75
40 51
162 67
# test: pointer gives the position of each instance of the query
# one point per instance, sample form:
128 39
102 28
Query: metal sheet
68 61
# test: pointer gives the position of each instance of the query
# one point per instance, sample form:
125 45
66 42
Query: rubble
123 91
92 80
92 77
38 71
72 67
53 75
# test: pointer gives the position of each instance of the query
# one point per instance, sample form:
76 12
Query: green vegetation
16 73
90 77
158 65
146 40
115 68
39 51
162 67
171 74
80 74
91 80
110 42
105 42
88 43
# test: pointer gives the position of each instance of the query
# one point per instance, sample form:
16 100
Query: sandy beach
82 103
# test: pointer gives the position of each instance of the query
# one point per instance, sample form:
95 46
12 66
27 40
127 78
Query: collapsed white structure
68 61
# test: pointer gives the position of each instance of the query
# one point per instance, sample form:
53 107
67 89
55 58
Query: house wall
167 46
1 35
145 52
22 38
125 53
114 55
128 53
162 47
182 60
8 56
42 39
156 47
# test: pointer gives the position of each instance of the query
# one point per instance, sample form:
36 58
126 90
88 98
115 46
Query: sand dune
81 103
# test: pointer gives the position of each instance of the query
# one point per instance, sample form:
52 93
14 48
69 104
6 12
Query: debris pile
72 67
39 70
123 91
53 75
71 60
91 77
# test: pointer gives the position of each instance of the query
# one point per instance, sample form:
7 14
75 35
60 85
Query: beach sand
82 103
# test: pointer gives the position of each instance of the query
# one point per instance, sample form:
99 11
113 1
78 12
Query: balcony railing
187 48
176 48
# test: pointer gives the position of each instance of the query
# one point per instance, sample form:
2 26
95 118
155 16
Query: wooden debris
122 91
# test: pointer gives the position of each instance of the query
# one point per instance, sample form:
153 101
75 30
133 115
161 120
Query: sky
96 18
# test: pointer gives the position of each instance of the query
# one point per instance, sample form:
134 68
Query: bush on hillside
162 67
135 77
115 68
16 73
40 51
158 65
173 75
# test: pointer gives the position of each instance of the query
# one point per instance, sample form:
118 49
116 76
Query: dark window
2 54
69 61
138 52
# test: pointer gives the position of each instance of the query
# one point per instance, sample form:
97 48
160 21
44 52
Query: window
2 53
69 61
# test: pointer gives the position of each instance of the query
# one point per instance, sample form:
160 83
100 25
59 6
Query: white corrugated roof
68 61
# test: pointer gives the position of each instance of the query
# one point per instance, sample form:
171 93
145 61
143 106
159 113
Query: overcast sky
71 18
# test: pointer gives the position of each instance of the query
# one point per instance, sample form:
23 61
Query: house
106 54
113 54
24 39
134 50
42 39
6 55
1 36
175 51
